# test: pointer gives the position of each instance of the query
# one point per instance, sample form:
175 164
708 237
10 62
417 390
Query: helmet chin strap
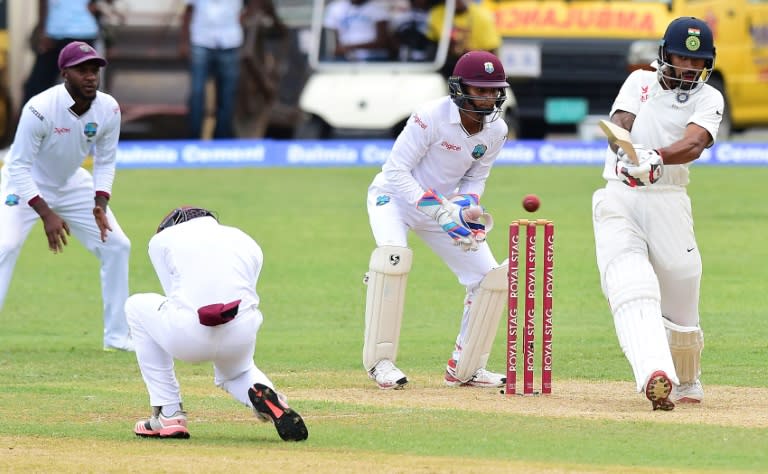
672 78
473 112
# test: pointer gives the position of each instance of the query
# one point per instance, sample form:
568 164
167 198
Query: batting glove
649 170
642 152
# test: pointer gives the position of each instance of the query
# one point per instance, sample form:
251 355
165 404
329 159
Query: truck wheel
313 128
532 129
726 125
513 123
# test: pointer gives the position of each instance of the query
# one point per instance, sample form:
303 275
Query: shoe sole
289 424
450 381
399 385
658 390
173 432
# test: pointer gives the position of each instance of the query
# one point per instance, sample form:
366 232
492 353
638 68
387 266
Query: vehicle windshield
375 34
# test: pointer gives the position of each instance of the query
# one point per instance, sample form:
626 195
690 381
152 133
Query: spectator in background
211 38
410 33
266 49
474 28
59 23
360 30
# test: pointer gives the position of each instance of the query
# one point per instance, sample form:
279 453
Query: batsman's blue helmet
690 37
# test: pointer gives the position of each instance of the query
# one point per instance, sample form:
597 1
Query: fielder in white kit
431 184
210 312
43 179
649 262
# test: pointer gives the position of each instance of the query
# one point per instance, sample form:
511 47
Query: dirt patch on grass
723 405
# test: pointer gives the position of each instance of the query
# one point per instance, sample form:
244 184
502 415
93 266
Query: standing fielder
447 148
43 179
649 263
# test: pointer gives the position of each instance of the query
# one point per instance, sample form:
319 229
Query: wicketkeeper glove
449 217
474 216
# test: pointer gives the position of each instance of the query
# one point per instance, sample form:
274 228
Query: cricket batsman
649 262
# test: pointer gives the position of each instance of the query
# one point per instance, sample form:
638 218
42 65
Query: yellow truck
5 99
567 59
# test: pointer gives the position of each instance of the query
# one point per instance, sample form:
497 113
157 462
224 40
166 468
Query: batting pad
630 277
685 343
483 322
387 277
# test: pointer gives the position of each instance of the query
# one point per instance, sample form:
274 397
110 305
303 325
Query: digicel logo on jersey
599 20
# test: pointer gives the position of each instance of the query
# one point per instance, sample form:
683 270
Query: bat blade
619 137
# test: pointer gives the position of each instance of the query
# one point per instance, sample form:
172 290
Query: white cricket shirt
434 151
660 119
200 262
52 142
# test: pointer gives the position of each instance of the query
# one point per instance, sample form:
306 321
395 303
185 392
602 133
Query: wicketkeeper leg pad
386 279
685 343
486 308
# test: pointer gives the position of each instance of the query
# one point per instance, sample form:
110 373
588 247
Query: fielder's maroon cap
78 52
480 69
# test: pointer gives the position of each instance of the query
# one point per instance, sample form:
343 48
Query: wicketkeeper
431 184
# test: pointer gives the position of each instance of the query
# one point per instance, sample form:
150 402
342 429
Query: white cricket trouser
73 202
650 267
390 224
657 223
163 332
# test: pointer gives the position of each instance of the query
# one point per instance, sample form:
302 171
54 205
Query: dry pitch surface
724 406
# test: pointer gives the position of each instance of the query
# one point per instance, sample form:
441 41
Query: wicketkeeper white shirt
434 151
660 119
52 142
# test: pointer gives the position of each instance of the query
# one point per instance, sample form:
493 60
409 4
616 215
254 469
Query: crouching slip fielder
649 262
446 150
209 313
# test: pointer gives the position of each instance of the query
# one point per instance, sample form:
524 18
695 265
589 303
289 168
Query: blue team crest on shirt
479 151
381 200
12 200
90 129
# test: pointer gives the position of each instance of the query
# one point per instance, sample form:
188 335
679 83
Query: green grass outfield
66 406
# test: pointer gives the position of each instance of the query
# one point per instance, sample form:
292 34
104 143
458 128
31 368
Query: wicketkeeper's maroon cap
78 52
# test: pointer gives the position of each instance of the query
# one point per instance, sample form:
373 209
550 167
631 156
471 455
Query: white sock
168 410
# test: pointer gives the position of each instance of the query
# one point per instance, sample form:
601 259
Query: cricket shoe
658 390
387 376
482 378
288 423
126 346
174 426
691 392
263 417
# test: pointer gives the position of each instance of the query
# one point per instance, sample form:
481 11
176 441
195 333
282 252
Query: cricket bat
620 137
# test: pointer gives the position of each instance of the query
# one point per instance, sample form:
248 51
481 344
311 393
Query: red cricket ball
531 202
